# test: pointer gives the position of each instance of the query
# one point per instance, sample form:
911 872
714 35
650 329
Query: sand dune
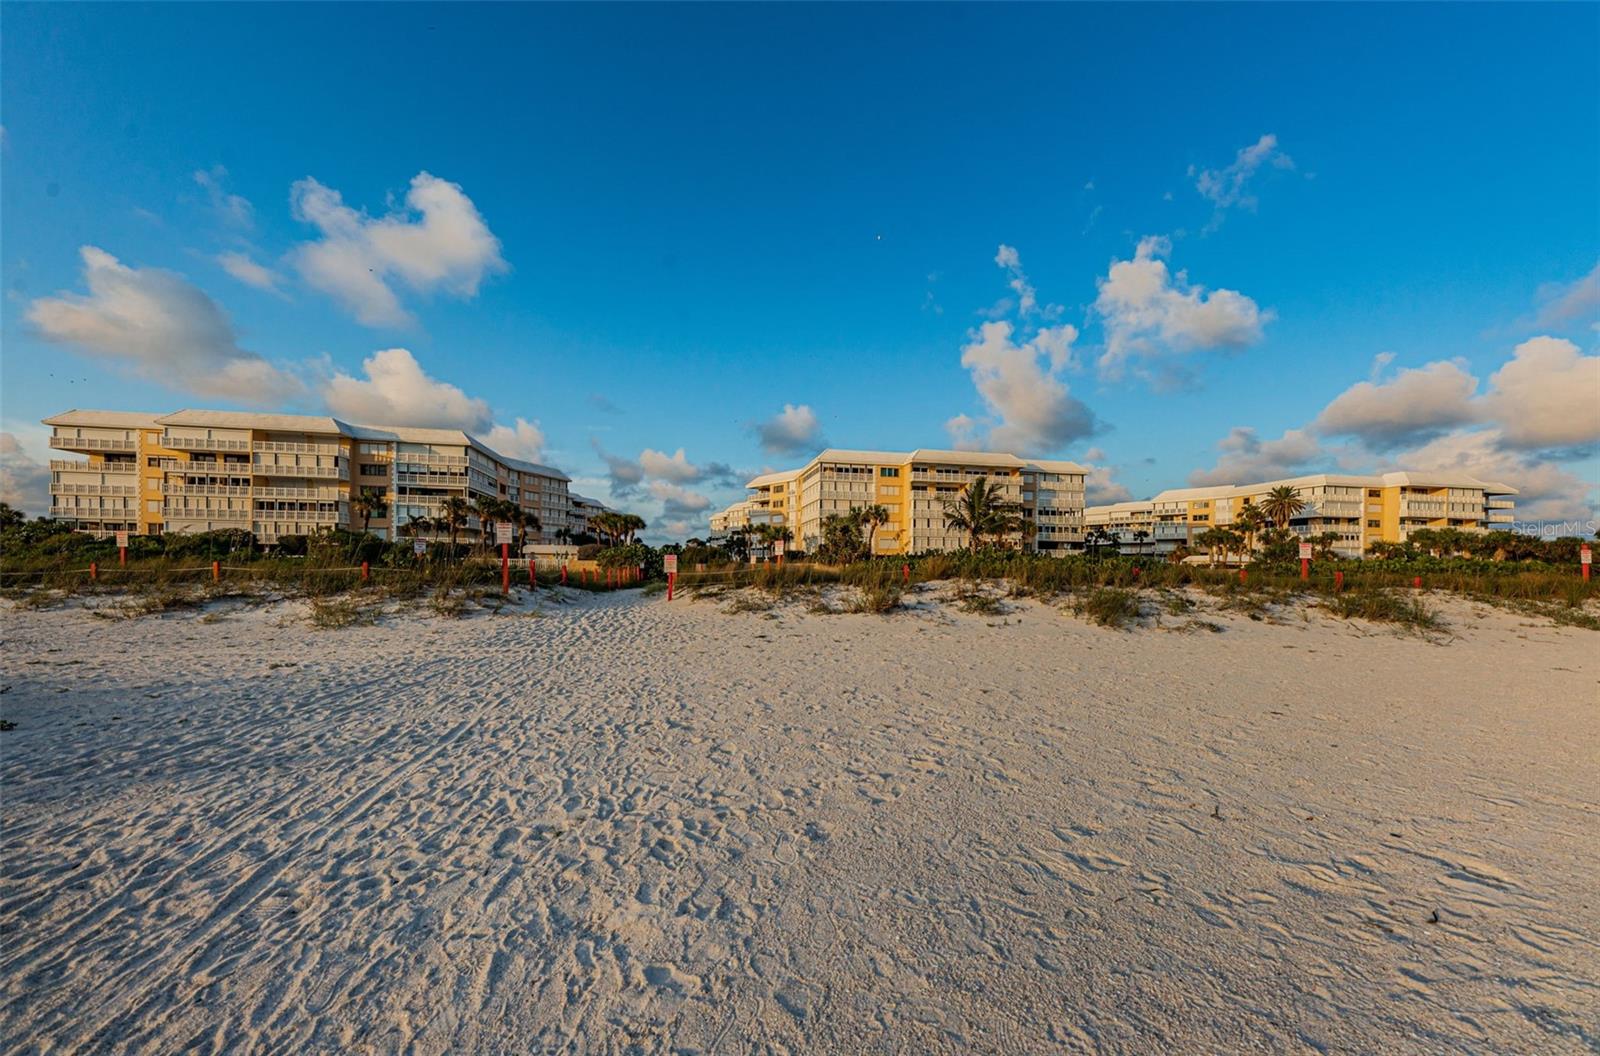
620 826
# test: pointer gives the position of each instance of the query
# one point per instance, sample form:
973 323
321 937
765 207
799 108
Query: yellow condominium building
277 475
732 519
913 487
1360 510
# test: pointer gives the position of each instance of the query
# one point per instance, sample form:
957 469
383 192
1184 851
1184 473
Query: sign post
419 547
777 549
670 562
1305 561
502 535
1586 560
122 548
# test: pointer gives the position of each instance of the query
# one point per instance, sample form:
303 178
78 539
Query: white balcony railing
289 448
64 465
312 494
92 489
203 443
92 443
304 516
178 487
268 469
188 513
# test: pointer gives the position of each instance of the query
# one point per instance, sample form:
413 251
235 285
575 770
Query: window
1373 524
888 471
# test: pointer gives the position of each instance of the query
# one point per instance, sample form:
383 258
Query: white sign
122 540
777 547
502 533
1585 556
671 561
1305 551
419 546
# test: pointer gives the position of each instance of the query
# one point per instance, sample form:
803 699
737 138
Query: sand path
624 827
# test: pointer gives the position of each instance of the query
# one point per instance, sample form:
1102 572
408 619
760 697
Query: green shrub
1108 606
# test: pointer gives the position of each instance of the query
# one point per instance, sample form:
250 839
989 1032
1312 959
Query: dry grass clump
447 604
978 603
876 598
748 602
1108 606
332 613
1382 607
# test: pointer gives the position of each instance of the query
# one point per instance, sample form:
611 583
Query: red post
505 568
1338 581
1416 582
1135 571
533 575
122 557
1305 568
905 573
94 570
366 573
1585 560
216 571
1241 575
563 575
672 579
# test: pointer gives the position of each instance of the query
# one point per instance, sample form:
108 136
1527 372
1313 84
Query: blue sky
1177 243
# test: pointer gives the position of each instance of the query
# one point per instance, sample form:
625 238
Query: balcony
340 472
93 489
92 443
283 447
203 443
311 494
190 513
1500 504
301 516
443 480
178 487
64 465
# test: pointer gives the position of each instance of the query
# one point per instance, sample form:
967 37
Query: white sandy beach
628 827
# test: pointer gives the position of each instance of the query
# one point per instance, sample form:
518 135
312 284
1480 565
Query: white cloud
524 440
234 211
678 501
24 480
1413 406
662 466
1574 302
1150 314
1032 410
1102 487
1230 186
360 258
161 327
1247 459
397 391
1546 491
1547 395
1027 297
247 271
793 430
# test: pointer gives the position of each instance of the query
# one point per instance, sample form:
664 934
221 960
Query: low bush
1108 606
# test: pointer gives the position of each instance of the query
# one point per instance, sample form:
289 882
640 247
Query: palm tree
873 517
1250 521
632 524
977 511
10 518
453 514
369 503
485 508
1281 504
1139 536
1214 539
